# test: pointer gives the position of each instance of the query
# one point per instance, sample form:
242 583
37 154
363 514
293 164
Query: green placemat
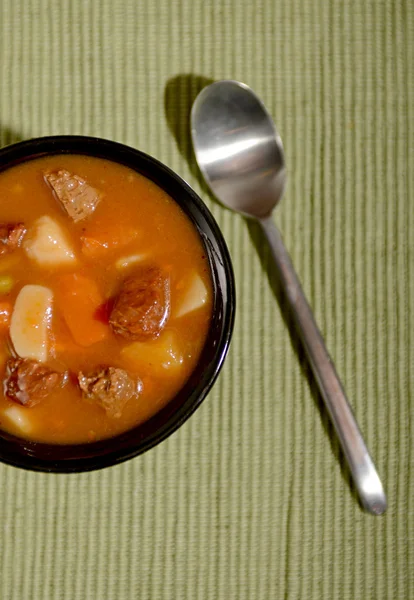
249 499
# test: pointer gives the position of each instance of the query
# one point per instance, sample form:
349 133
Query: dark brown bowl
96 455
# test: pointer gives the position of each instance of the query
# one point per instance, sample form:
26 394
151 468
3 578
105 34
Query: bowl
68 458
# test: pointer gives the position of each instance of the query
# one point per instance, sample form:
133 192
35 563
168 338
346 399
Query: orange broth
134 217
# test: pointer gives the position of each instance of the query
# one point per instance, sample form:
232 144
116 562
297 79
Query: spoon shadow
179 95
263 251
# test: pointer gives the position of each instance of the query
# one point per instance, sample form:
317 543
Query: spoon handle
363 470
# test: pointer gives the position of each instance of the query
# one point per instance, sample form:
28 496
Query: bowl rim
88 456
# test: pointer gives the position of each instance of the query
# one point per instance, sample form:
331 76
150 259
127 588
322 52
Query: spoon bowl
238 149
241 156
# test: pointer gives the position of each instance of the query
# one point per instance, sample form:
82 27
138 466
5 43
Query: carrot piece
92 248
79 301
63 343
5 313
97 244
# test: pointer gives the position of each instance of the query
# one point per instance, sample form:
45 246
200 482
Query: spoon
240 155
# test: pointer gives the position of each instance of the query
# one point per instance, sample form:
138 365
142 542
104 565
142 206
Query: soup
105 299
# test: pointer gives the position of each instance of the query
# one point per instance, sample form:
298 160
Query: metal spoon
241 156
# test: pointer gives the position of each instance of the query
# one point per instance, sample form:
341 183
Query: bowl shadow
180 93
9 136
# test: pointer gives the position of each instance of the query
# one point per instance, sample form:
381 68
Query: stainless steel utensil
241 156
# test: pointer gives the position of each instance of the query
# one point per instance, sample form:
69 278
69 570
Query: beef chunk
143 305
110 388
11 236
78 198
29 381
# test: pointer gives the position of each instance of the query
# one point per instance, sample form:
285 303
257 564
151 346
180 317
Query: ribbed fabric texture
250 498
